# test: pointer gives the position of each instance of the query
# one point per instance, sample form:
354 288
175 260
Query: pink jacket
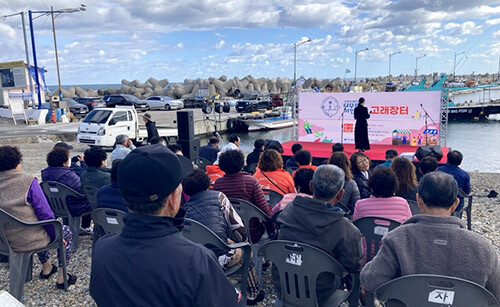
288 198
394 208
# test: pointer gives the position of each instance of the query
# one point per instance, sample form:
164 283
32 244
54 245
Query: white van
101 126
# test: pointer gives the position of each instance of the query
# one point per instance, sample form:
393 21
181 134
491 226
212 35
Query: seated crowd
151 263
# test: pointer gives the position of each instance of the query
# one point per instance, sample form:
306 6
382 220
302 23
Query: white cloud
219 44
466 28
497 34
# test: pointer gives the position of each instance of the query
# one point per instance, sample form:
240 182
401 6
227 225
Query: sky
178 39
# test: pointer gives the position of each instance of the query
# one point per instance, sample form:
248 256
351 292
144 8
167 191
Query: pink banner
396 118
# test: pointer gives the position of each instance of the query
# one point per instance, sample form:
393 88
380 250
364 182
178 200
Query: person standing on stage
361 114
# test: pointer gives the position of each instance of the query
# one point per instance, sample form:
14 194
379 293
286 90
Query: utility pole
390 57
356 64
55 49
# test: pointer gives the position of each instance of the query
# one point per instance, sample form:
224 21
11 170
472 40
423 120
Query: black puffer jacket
205 207
362 182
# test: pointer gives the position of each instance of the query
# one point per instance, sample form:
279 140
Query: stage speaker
190 148
185 124
429 150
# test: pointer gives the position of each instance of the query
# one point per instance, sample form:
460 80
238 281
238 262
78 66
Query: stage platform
376 153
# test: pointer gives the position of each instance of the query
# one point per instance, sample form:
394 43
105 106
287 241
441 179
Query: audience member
304 160
109 196
150 263
405 171
214 172
210 150
291 161
150 127
238 184
301 180
435 243
337 147
427 165
158 140
317 222
360 166
124 146
258 149
382 202
214 210
271 175
233 143
390 154
78 169
454 159
58 170
351 191
97 174
175 148
273 144
22 197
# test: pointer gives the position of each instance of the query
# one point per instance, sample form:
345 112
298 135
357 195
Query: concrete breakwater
226 87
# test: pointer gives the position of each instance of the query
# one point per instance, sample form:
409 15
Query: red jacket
243 186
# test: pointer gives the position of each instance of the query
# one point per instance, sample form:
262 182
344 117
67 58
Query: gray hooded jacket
441 245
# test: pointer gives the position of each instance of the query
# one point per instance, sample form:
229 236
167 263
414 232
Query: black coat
254 156
150 263
152 131
362 182
361 129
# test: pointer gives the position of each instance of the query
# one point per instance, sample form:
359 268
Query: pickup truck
101 126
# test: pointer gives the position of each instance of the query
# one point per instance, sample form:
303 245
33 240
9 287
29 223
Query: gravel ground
485 213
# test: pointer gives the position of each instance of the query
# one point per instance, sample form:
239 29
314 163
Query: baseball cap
63 145
150 173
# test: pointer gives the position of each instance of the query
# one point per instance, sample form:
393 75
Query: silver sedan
164 103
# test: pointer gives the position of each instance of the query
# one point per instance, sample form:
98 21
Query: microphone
421 105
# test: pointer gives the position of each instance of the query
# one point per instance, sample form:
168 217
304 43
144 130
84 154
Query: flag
347 70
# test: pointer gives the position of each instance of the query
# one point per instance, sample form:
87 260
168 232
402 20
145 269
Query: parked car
125 100
164 103
277 101
78 109
90 102
254 102
197 102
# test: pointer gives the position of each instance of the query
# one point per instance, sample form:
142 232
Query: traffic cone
53 116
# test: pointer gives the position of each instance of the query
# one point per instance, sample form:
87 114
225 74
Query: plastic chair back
251 168
20 264
424 290
202 163
201 234
56 194
299 266
91 193
110 220
248 211
413 207
373 230
272 197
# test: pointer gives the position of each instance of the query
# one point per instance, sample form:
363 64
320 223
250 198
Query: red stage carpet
376 153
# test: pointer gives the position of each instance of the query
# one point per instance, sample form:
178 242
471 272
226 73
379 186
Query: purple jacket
69 178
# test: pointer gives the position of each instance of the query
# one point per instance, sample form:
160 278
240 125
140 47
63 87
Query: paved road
163 118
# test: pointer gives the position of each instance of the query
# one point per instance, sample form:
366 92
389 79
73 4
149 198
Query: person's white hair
327 181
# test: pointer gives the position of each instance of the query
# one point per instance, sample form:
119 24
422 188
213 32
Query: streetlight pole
306 40
55 49
51 12
455 62
356 64
416 65
390 57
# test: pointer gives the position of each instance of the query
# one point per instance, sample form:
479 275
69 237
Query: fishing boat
270 123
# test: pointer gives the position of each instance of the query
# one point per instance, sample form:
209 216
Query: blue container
49 114
58 114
